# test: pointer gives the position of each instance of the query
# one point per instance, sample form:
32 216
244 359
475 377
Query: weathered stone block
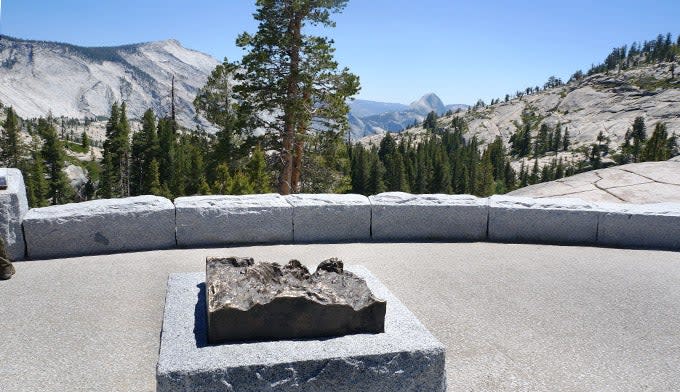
100 226
402 216
330 218
640 226
13 207
559 221
406 357
222 220
267 301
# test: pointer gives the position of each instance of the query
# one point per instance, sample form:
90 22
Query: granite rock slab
641 226
546 220
330 218
100 227
403 216
13 207
223 220
250 300
406 357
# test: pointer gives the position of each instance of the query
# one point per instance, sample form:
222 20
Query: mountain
364 108
603 102
428 103
606 102
38 77
369 117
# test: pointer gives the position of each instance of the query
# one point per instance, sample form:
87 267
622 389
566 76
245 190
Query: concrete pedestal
404 358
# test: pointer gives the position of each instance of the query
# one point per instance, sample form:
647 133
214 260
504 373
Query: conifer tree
145 149
85 141
36 186
115 175
241 184
441 179
534 176
59 189
376 183
657 147
485 182
566 140
12 148
292 75
257 172
222 182
154 177
639 136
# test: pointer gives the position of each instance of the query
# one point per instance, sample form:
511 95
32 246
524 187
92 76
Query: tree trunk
291 109
296 178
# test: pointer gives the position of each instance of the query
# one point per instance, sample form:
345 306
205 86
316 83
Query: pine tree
485 182
12 149
116 170
656 148
566 140
154 176
293 75
59 189
145 149
441 180
257 172
222 182
534 176
376 183
85 141
639 136
240 184
37 186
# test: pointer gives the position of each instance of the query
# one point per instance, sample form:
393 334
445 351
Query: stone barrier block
548 220
100 226
640 226
223 220
406 357
13 207
330 218
403 216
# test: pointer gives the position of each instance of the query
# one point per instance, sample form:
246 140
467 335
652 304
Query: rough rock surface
403 216
13 207
523 219
267 301
100 226
406 357
330 218
6 267
640 226
220 220
641 183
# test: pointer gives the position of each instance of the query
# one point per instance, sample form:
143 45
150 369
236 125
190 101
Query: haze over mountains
370 117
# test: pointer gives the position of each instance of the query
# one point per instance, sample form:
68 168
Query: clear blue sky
401 49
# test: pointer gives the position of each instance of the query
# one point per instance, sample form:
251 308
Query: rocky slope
647 182
602 102
39 77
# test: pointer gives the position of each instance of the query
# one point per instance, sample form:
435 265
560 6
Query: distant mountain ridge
371 117
38 77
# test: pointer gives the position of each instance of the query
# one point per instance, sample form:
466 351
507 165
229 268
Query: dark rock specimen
6 267
267 301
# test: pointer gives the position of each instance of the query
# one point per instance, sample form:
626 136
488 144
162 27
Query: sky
401 49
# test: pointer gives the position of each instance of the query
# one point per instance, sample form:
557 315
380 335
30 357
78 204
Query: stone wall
149 222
